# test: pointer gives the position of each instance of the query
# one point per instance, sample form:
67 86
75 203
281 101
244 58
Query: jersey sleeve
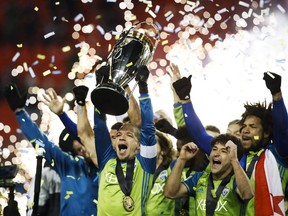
191 183
148 141
178 115
103 143
196 128
280 130
69 124
53 154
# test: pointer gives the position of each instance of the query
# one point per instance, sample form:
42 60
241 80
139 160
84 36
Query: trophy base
110 98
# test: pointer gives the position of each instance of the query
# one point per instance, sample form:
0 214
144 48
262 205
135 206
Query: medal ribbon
125 182
212 197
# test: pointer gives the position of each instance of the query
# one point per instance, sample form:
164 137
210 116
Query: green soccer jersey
228 203
111 202
157 203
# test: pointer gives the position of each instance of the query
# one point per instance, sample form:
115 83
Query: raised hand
80 93
183 87
142 74
273 82
231 150
188 151
142 77
175 73
53 101
165 126
13 97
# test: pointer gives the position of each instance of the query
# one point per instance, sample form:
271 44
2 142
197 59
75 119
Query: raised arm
56 105
148 140
174 188
279 115
32 131
194 125
244 188
134 112
84 129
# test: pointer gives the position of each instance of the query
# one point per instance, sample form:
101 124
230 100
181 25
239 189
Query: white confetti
31 71
49 35
100 29
169 17
198 9
16 56
282 10
56 72
244 4
79 44
157 8
35 63
152 13
223 10
271 75
78 17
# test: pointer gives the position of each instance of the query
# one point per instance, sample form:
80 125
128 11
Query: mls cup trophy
133 49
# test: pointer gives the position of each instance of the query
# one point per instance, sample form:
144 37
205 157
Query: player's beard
256 146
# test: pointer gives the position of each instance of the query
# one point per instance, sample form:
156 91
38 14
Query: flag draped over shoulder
269 198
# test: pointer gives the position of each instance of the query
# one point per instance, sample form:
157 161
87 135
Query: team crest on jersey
200 190
225 191
163 176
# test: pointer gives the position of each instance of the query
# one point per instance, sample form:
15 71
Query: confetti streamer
221 11
169 17
41 57
152 13
52 59
198 9
25 66
35 63
281 9
56 72
79 44
66 49
49 35
78 17
16 56
31 71
157 8
46 73
244 4
100 29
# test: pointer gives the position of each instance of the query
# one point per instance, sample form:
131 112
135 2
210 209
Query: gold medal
128 203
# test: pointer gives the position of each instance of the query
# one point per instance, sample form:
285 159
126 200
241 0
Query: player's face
126 143
234 129
220 161
80 150
252 134
113 135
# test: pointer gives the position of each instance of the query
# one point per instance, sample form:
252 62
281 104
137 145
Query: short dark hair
212 128
136 130
235 121
224 138
116 126
66 141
